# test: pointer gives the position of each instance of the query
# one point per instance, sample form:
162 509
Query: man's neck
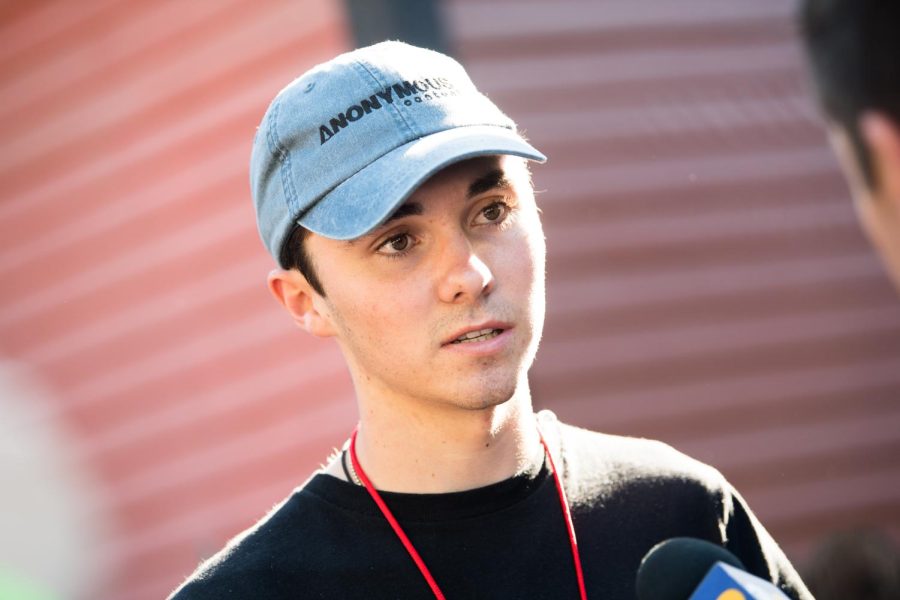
447 449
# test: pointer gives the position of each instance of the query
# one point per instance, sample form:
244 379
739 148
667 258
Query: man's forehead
475 176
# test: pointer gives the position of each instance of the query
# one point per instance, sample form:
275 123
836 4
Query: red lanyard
563 501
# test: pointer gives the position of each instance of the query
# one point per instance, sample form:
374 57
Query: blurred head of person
853 48
860 563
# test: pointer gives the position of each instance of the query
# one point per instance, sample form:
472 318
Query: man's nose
465 275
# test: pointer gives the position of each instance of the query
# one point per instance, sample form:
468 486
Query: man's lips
477 333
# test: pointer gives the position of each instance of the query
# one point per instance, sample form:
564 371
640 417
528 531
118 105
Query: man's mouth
477 336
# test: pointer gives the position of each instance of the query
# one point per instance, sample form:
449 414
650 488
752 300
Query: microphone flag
724 582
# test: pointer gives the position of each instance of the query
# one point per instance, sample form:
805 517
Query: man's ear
303 303
882 136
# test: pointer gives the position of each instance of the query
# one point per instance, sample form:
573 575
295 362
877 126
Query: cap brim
365 200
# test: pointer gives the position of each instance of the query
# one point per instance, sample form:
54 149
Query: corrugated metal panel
709 285
134 280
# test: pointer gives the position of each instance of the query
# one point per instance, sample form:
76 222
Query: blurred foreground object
50 533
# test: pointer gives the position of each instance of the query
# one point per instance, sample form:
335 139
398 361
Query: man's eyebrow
404 210
489 181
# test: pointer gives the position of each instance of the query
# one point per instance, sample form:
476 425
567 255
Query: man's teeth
477 336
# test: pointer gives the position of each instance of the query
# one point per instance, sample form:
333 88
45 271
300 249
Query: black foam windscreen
673 569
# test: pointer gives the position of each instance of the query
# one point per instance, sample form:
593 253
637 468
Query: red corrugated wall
708 282
134 280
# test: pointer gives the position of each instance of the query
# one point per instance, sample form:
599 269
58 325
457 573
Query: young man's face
463 257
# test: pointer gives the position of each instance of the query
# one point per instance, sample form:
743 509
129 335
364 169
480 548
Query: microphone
693 569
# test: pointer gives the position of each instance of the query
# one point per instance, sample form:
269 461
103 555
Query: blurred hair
294 256
854 564
853 48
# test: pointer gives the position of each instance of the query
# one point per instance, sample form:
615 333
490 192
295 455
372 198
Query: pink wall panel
134 277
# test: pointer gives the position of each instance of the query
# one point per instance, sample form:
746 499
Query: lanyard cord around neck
563 501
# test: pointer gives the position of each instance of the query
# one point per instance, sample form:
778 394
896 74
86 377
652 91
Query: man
398 202
853 49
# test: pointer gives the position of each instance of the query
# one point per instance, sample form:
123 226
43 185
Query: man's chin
483 397
486 403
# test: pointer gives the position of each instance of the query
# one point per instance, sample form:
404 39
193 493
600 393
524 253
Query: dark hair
853 49
860 563
294 256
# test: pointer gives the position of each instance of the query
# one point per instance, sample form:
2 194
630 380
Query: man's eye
495 212
396 244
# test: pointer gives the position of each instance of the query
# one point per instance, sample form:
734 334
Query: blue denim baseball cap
343 145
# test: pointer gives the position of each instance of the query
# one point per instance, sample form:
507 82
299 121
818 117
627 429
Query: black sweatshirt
506 540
